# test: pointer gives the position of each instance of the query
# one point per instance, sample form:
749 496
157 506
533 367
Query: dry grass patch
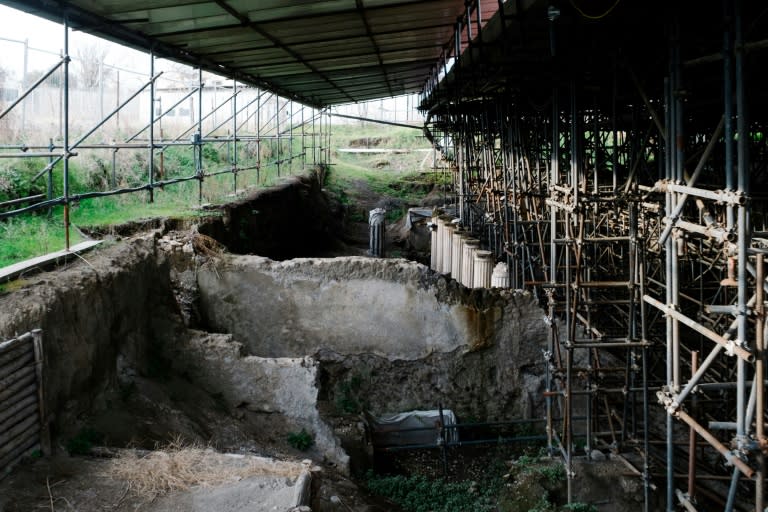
178 467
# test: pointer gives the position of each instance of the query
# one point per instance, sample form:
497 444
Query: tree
90 65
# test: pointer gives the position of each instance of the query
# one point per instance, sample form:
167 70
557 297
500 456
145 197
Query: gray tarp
387 430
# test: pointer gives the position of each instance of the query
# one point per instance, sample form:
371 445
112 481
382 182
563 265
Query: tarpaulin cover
396 430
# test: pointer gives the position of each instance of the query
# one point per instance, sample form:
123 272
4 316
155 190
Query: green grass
38 233
30 235
25 237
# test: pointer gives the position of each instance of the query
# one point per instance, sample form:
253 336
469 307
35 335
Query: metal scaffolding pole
65 116
151 143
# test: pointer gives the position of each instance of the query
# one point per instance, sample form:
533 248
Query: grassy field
37 233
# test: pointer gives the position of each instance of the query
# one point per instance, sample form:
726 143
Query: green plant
543 505
35 454
349 395
419 494
580 507
552 472
84 441
301 440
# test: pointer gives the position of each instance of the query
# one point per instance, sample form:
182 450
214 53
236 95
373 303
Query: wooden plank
16 351
17 269
23 360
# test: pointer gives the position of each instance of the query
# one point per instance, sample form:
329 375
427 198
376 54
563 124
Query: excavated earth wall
276 342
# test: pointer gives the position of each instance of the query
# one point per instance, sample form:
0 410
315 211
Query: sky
46 40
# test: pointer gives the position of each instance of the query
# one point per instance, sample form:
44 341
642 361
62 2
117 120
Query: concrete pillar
500 276
482 269
443 221
459 235
440 235
469 247
376 232
433 237
447 247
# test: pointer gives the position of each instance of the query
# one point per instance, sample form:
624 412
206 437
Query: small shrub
301 440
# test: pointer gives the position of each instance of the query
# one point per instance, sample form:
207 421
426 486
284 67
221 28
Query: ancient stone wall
406 336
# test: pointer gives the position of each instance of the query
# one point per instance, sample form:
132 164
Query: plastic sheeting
405 428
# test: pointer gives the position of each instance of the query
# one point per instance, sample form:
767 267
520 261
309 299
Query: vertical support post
314 137
290 139
233 159
692 438
49 183
279 152
198 137
743 225
65 128
728 104
554 172
644 334
759 380
258 137
45 431
151 159
303 140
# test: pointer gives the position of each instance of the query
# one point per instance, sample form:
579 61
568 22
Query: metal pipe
32 87
68 149
162 114
692 440
151 156
759 379
716 444
731 347
198 148
65 122
742 149
234 138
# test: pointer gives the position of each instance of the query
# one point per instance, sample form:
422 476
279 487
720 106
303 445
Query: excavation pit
150 341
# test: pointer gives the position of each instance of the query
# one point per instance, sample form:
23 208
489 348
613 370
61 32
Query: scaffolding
629 213
258 130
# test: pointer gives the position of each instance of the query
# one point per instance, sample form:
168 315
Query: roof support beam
364 18
247 23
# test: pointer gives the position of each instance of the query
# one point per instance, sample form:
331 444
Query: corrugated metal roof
319 52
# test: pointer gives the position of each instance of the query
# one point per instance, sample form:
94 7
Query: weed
84 441
35 454
580 507
419 494
302 441
349 395
553 473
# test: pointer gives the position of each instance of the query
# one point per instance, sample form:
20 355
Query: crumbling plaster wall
411 337
262 385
